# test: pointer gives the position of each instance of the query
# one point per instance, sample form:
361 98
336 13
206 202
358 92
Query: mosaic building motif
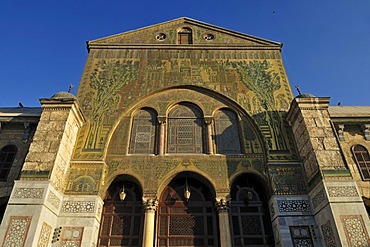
71 236
328 234
45 234
287 180
342 191
294 206
17 231
34 193
355 231
78 207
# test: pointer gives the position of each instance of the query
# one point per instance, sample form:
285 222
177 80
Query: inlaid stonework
78 207
342 191
294 206
328 234
45 234
71 236
53 199
355 230
29 193
17 231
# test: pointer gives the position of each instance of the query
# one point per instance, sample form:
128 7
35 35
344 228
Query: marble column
162 130
150 206
208 122
222 206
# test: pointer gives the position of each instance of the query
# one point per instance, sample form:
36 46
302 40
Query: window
185 129
143 132
362 158
226 132
7 155
185 36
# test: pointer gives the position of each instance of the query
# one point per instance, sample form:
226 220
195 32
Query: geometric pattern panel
328 234
342 191
72 236
294 206
36 193
318 198
78 207
355 230
17 231
44 235
301 236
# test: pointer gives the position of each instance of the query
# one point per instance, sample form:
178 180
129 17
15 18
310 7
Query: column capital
222 204
162 119
208 119
150 204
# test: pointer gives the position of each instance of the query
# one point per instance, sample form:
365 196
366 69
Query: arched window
249 218
122 221
226 132
185 129
7 155
184 36
362 158
143 132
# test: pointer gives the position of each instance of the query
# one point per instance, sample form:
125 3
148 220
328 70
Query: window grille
362 159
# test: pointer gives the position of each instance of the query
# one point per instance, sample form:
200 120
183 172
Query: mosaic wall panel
78 207
294 206
44 235
318 198
342 191
17 231
84 179
328 234
29 193
53 199
288 180
71 236
301 236
355 230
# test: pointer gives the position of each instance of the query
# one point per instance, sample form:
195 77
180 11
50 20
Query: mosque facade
184 134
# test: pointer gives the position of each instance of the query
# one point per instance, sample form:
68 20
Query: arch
122 220
249 217
143 132
185 133
187 222
226 132
362 158
7 156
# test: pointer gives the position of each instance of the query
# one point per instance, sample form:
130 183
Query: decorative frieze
17 231
342 191
44 235
294 206
318 198
328 234
28 193
78 207
355 230
53 199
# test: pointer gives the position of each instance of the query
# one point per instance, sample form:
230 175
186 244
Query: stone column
150 206
222 206
162 129
208 122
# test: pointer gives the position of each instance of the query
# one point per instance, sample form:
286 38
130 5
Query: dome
63 96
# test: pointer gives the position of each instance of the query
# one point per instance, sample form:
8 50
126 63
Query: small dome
306 95
63 96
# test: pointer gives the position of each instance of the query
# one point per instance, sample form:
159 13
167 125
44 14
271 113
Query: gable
166 33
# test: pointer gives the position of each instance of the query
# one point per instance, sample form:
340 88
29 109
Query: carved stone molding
78 207
342 191
16 233
294 206
29 193
222 204
53 199
150 204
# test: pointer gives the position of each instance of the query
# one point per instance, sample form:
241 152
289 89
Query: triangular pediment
166 33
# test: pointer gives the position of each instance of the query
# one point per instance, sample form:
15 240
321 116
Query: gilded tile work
355 231
288 179
17 231
45 234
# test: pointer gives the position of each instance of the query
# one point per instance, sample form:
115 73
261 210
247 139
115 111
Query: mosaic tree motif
107 80
259 77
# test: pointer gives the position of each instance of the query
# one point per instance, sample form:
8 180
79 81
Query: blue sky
326 43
